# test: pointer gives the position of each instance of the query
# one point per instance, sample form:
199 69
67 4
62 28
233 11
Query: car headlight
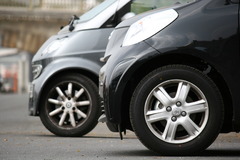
54 45
148 26
37 69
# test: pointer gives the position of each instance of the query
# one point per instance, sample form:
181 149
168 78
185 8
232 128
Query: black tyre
176 110
70 105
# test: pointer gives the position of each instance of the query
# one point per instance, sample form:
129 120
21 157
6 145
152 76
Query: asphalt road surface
24 138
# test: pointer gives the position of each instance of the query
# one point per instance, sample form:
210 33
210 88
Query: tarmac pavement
25 138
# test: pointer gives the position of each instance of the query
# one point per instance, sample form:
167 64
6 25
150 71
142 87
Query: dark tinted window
139 6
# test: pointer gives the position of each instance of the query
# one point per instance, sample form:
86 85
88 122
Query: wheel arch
182 59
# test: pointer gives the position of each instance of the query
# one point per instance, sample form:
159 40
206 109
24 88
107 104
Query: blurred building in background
24 26
14 70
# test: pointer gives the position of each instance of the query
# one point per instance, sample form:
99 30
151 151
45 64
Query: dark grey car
64 91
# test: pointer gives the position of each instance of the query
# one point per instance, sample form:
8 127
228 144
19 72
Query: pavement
25 138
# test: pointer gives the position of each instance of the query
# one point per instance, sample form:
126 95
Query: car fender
56 67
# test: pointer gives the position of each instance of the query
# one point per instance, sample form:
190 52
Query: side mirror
128 15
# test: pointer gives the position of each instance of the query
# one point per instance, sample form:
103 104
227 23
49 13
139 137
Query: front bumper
34 94
34 90
111 87
32 108
102 92
30 100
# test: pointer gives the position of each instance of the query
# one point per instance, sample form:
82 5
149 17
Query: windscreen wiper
71 27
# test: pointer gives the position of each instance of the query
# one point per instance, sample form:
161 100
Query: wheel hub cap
176 112
69 105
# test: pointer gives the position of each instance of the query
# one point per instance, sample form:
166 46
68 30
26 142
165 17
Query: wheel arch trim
134 71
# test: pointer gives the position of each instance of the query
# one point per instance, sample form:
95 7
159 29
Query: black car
171 76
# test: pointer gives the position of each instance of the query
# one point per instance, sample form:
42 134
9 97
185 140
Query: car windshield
96 10
139 6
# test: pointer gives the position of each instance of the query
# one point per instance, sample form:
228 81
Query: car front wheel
176 110
70 105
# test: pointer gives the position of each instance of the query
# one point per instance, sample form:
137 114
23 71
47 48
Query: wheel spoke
196 107
60 93
56 111
54 101
190 127
156 115
80 113
62 118
69 92
163 96
79 93
182 92
72 119
170 131
83 103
